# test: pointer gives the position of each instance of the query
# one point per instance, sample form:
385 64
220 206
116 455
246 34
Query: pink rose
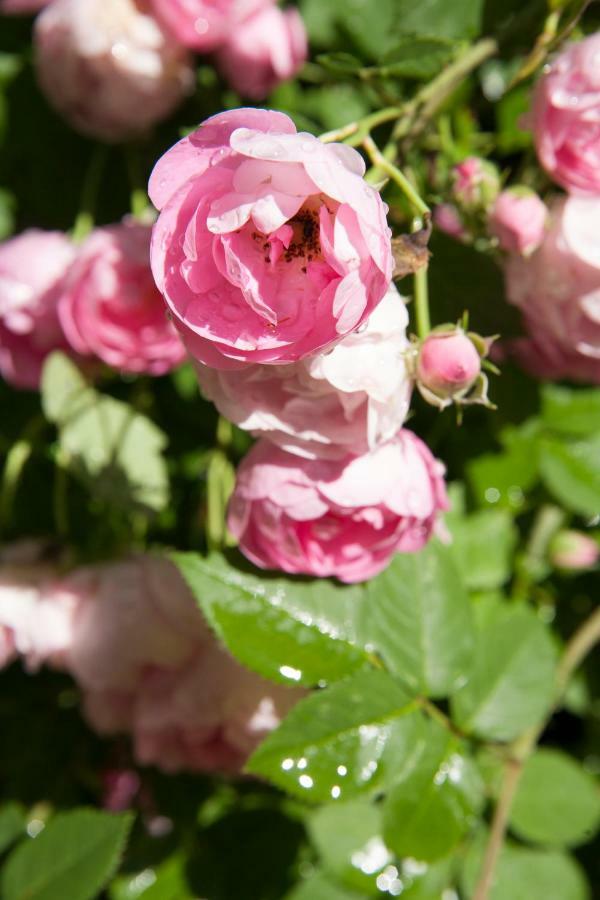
22 7
110 308
345 401
447 218
107 66
518 220
32 271
149 666
448 364
558 291
263 51
204 25
336 517
270 246
566 117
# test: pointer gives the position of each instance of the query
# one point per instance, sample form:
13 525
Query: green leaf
458 19
483 547
571 412
523 874
348 839
286 630
114 449
417 616
12 824
340 63
435 799
557 801
7 216
340 741
503 478
74 856
164 882
418 57
511 682
571 472
319 887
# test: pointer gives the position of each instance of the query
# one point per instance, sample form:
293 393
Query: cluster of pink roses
115 67
273 255
96 300
144 659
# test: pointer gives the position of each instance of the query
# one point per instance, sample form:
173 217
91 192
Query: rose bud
518 220
566 108
448 368
476 184
263 51
108 67
574 551
204 25
447 218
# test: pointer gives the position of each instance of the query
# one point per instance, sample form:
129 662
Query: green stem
380 162
89 194
60 499
16 460
582 642
138 198
361 127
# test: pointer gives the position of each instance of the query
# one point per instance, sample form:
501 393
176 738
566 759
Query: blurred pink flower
346 517
574 551
204 25
566 117
270 245
108 67
518 220
447 218
345 401
476 183
110 307
263 51
33 267
22 7
558 291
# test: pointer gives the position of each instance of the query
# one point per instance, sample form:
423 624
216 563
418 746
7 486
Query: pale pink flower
558 291
33 267
447 218
21 7
266 49
448 363
345 517
270 245
566 117
110 308
518 220
204 25
107 66
345 401
574 551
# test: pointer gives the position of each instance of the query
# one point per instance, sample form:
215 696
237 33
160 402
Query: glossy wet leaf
341 741
417 616
502 479
347 837
12 824
571 412
525 874
557 801
418 57
289 631
511 682
483 545
74 856
435 799
115 449
571 472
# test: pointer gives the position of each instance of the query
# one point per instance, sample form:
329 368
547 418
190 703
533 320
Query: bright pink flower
558 291
336 517
32 271
448 363
270 245
108 67
574 551
110 308
21 7
148 665
345 401
447 218
263 51
518 220
566 117
204 24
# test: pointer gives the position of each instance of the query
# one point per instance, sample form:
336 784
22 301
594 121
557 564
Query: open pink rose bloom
270 245
204 25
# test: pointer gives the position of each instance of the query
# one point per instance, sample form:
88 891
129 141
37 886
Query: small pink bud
120 789
518 220
448 364
447 218
476 183
574 551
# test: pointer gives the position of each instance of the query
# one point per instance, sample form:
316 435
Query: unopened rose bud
518 220
447 218
448 364
574 551
476 184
